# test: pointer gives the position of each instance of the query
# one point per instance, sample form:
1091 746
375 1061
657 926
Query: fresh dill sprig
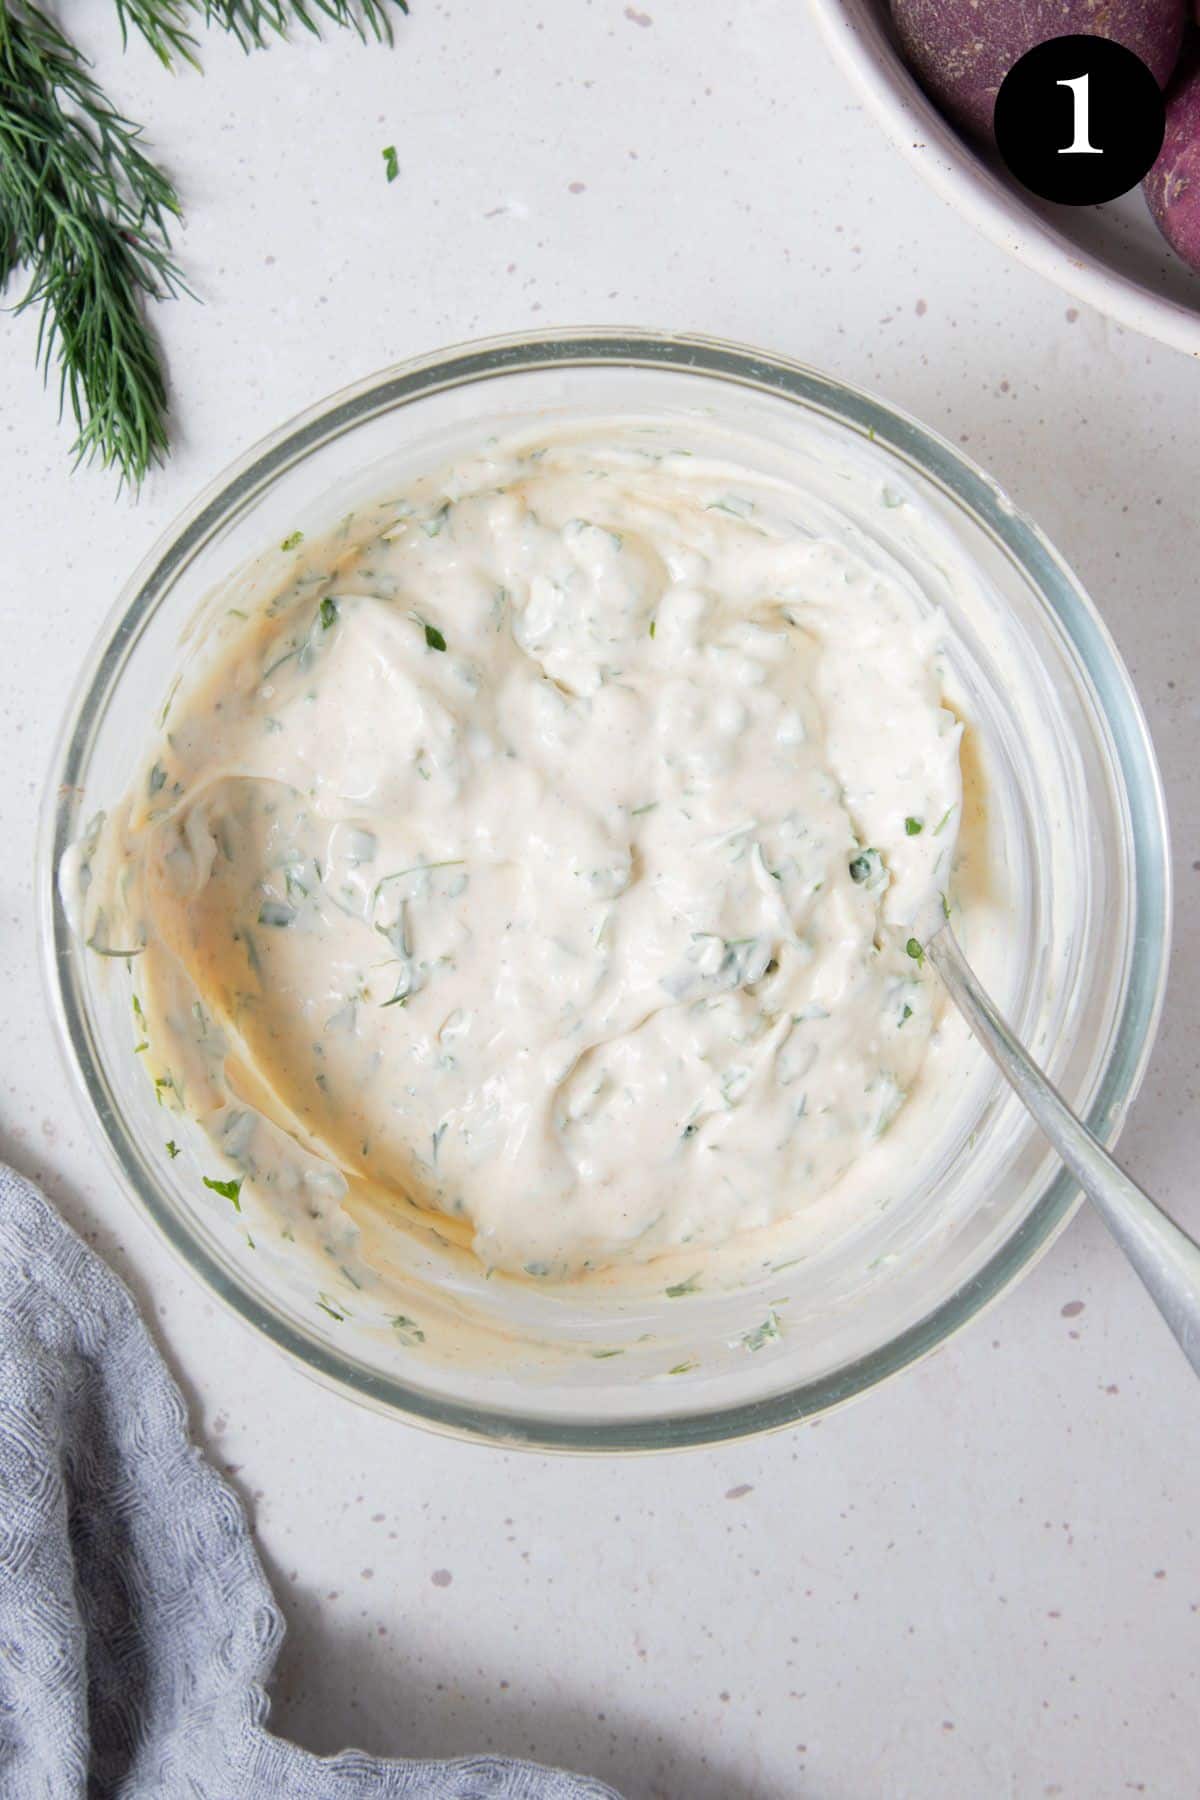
253 21
163 23
88 214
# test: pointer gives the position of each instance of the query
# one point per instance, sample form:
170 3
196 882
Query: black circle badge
1079 120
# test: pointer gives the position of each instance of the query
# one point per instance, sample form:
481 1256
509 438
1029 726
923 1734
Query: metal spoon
1164 1256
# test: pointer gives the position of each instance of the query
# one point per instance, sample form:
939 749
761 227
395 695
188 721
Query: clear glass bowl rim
624 347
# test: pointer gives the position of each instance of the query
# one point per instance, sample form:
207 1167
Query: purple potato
962 49
1172 187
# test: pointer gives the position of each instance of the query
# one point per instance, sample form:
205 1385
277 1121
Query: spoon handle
1164 1256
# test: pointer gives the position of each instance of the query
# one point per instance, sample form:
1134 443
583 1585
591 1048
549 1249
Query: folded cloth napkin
136 1625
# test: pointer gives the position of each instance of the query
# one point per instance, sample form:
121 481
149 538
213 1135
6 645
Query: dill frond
252 22
87 212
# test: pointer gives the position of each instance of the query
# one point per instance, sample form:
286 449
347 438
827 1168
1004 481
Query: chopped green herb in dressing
228 1190
580 917
764 1333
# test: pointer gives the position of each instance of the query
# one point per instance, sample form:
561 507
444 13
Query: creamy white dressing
546 851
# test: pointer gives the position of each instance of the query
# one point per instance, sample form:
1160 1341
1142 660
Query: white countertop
984 1580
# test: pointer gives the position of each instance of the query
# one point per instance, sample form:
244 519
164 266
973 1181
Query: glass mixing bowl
1077 821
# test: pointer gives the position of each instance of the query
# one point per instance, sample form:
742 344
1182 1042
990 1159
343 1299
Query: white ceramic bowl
1113 257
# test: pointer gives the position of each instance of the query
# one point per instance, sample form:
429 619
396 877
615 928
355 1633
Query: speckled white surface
983 1581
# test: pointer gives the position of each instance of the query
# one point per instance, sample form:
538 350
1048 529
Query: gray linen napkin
137 1629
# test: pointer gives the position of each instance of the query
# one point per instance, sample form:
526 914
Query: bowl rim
948 165
1130 750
